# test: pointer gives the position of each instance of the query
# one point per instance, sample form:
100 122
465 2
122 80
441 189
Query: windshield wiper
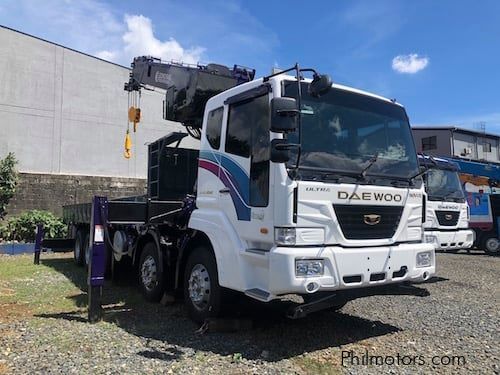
335 177
372 161
421 173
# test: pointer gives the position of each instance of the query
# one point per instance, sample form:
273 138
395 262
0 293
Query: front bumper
345 268
450 240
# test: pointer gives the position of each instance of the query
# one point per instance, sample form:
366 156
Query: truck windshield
346 131
443 185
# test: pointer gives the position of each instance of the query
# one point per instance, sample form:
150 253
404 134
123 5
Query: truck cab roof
437 163
257 82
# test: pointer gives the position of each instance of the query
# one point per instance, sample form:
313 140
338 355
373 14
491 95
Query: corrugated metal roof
457 130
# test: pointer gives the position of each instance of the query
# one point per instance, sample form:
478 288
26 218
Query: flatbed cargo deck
133 210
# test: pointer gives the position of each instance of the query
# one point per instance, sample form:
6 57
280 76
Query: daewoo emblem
448 216
372 219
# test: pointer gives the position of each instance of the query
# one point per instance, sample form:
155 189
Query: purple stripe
242 211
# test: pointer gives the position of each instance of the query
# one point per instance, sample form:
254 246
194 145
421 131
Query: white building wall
64 112
461 142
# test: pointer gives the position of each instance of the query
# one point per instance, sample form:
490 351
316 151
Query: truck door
245 170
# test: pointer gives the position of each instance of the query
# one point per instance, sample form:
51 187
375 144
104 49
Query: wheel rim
199 286
492 245
148 273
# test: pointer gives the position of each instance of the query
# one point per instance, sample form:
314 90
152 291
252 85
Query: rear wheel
86 249
202 292
78 253
151 278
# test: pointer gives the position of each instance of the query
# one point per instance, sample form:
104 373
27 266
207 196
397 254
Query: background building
64 115
457 142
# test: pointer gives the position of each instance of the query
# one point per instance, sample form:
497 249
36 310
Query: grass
38 288
55 288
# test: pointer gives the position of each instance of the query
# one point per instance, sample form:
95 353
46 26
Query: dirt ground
452 318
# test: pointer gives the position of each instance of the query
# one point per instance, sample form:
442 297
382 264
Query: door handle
224 191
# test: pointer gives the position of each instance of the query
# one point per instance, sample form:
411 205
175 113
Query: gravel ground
43 328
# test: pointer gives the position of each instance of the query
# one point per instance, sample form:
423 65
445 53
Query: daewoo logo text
369 196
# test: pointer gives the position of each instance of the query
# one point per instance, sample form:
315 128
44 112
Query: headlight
424 259
309 267
299 236
285 236
429 238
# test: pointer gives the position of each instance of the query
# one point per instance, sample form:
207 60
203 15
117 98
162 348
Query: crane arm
188 87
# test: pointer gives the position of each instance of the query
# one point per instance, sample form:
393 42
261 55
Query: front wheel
202 292
492 245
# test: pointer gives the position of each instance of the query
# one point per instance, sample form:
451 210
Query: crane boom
188 87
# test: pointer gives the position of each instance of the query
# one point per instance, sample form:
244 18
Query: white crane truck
447 222
300 186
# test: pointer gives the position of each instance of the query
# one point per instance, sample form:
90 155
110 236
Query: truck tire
202 292
151 278
86 249
491 244
78 253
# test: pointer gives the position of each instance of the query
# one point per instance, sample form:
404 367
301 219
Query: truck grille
448 218
368 222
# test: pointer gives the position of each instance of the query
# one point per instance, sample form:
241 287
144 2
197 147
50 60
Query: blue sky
441 59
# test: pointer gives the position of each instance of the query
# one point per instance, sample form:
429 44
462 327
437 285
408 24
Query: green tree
8 181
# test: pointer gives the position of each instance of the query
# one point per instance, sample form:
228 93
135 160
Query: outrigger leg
97 263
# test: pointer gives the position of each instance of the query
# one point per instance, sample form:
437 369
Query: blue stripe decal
233 176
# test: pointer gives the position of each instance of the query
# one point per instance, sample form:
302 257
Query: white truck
300 188
447 212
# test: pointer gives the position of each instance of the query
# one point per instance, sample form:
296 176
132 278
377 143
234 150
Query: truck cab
447 212
335 203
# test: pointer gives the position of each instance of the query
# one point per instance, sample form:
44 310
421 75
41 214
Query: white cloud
94 27
409 64
139 39
106 55
99 28
86 26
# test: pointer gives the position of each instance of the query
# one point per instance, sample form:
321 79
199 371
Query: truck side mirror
284 114
320 85
280 151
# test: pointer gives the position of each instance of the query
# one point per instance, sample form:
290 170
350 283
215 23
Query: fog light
309 267
424 259
285 236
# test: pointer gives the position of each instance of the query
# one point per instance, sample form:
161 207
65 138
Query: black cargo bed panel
125 212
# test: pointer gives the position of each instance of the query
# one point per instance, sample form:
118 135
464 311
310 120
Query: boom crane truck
300 186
